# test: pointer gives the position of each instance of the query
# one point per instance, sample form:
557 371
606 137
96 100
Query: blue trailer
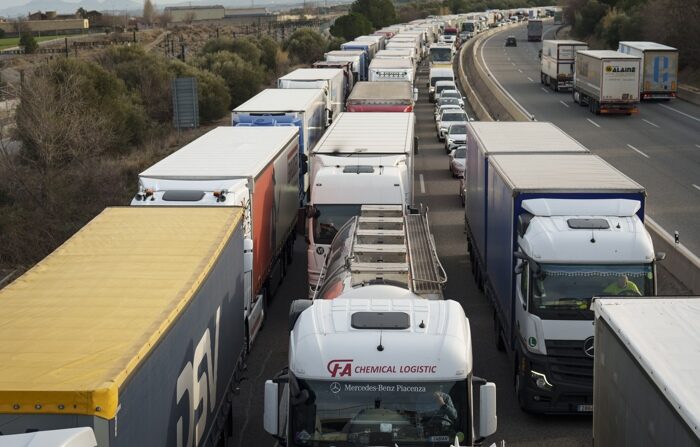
370 48
304 108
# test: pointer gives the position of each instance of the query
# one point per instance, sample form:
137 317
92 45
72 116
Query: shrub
305 46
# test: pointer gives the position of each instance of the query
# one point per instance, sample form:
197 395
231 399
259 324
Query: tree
269 49
82 13
213 93
28 41
380 13
2 33
243 78
305 46
149 12
351 26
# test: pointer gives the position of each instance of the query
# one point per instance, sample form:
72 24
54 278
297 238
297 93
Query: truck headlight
541 381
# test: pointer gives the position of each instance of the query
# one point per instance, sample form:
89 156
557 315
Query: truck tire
520 387
542 78
574 95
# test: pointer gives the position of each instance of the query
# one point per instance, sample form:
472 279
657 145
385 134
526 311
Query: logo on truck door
200 387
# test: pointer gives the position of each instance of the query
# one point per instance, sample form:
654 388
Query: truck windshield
440 54
566 286
381 413
330 219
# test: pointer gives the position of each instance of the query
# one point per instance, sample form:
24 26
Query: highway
435 188
659 147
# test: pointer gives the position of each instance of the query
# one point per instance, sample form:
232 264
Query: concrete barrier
680 261
690 94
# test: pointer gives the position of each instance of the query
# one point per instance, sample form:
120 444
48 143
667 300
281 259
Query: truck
546 233
534 30
391 70
659 65
557 64
470 28
302 108
357 57
365 370
332 80
607 81
450 35
382 97
370 48
645 393
363 159
132 328
67 437
399 53
254 169
441 54
348 73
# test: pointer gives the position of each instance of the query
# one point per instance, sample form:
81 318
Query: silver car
458 159
456 136
448 117
453 94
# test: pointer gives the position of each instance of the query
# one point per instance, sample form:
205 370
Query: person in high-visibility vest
622 286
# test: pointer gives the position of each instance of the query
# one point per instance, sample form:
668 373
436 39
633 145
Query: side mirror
488 421
660 256
329 116
312 212
271 410
519 268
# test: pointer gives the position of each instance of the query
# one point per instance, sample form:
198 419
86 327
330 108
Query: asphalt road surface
659 147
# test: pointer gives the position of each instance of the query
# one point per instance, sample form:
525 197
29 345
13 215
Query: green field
9 42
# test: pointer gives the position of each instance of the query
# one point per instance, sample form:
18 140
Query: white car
444 107
453 94
455 136
441 86
447 118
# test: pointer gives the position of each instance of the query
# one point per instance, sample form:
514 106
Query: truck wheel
574 95
497 333
542 75
520 387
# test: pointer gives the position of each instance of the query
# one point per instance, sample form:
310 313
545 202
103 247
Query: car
443 85
511 41
444 107
448 117
455 136
445 102
458 158
453 94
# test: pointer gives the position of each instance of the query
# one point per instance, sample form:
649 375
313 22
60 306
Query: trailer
646 390
136 319
534 30
382 97
348 73
607 81
370 48
391 70
251 168
557 64
358 59
659 64
302 108
330 79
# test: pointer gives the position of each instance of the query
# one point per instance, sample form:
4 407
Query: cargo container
557 64
330 79
133 328
659 77
607 81
370 48
646 390
303 108
348 74
391 70
534 30
251 168
377 38
382 97
357 57
546 233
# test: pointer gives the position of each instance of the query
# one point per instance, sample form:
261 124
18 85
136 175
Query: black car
511 42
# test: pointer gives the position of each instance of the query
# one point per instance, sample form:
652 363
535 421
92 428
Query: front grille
568 363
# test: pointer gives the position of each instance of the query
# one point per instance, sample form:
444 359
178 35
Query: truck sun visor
588 224
183 196
380 320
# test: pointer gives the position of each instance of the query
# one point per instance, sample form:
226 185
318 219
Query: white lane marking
637 151
650 123
544 90
696 186
422 184
531 80
520 70
564 104
593 122
698 146
513 64
682 113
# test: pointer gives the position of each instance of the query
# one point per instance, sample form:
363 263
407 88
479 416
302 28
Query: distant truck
250 168
358 59
382 97
330 79
550 226
646 390
302 108
132 328
470 28
441 54
363 159
348 73
391 70
607 81
534 30
557 65
659 77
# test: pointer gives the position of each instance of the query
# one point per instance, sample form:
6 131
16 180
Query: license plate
584 408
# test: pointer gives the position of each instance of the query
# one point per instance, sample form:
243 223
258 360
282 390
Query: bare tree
149 12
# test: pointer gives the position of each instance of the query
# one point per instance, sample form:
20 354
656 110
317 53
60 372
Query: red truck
381 97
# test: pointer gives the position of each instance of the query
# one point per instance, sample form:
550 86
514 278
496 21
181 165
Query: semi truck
560 229
332 80
607 81
362 159
400 53
557 64
645 387
382 97
391 70
254 169
659 64
370 48
441 54
348 73
357 57
534 30
302 108
132 328
470 28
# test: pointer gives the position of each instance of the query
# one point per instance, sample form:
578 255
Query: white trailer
356 57
253 168
391 70
363 158
607 81
659 77
330 79
399 53
557 64
646 385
